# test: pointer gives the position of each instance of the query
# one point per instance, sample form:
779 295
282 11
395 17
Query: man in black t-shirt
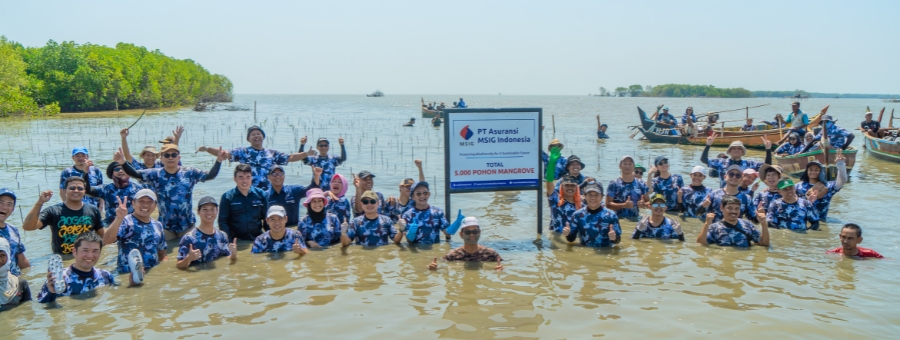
869 126
66 220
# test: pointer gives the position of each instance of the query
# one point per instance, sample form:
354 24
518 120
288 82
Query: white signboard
493 151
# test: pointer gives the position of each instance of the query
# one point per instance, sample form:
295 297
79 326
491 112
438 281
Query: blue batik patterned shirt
790 149
139 165
720 164
724 234
837 136
109 192
340 207
328 164
602 135
326 232
94 175
765 197
793 216
372 233
821 204
620 191
211 246
395 210
593 228
716 199
693 199
76 285
260 161
560 214
666 230
669 188
147 238
16 247
561 163
383 207
430 221
266 244
174 192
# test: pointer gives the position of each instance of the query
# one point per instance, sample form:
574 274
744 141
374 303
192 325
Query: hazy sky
488 47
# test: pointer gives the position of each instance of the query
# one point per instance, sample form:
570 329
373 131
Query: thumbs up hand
193 254
628 203
297 248
344 227
566 230
232 247
612 234
433 264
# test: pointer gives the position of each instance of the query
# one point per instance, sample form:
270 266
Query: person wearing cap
396 206
657 225
713 203
174 187
338 203
797 120
429 221
733 230
623 194
13 290
665 183
260 159
792 147
68 219
327 162
838 137
289 196
747 186
205 242
471 251
364 181
559 169
82 164
870 126
737 151
792 211
601 129
573 168
371 229
666 121
149 156
121 187
278 239
595 225
851 237
563 201
319 228
243 207
82 276
749 126
770 175
11 234
688 116
137 230
690 197
814 178
639 171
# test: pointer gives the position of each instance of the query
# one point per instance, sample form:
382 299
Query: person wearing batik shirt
573 168
319 228
289 196
563 202
363 182
747 186
713 203
666 183
174 186
814 178
666 121
396 206
792 211
793 146
327 162
82 165
426 222
624 193
851 237
13 289
734 231
601 129
338 204
278 239
371 229
121 187
471 251
749 126
81 277
838 137
771 175
595 225
149 157
11 234
737 151
657 225
205 243
690 198
810 142
137 230
559 169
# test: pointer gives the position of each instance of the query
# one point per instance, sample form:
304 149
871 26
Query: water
549 289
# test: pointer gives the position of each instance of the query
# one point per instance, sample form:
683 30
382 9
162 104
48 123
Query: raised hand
401 225
677 228
391 200
839 156
760 212
311 152
706 203
433 264
680 194
498 268
89 163
812 195
297 248
643 205
303 140
119 156
317 170
711 139
51 283
45 196
767 142
710 217
194 254
341 140
332 195
755 186
122 207
566 230
179 130
356 182
232 247
223 155
418 163
612 234
123 133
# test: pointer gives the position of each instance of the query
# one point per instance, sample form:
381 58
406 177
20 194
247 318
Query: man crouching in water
471 251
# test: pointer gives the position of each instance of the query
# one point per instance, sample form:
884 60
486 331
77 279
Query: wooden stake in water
254 110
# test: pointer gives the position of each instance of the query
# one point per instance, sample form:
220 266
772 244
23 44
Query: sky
489 47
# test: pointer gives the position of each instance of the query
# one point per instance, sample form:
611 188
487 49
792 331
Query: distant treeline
71 77
781 94
683 90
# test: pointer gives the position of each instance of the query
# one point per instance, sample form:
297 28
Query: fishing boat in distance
649 123
882 148
430 113
376 94
795 165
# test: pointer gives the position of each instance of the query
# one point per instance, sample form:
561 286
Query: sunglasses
422 194
170 155
792 138
117 169
322 145
639 173
75 188
658 205
663 163
471 232
368 201
276 174
734 174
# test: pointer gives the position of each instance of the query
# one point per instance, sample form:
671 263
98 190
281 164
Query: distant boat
376 94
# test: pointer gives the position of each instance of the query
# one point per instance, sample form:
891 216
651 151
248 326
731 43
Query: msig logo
466 133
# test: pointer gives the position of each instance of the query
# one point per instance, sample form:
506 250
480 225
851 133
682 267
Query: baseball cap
734 167
699 169
785 183
369 194
255 127
639 166
868 113
7 192
407 182
150 149
419 184
569 179
170 147
470 221
79 149
628 157
207 200
322 139
593 187
364 174
657 196
277 167
750 172
145 193
276 210
659 159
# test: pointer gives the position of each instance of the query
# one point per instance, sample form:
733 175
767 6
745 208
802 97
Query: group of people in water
265 210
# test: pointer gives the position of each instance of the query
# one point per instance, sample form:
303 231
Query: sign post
487 150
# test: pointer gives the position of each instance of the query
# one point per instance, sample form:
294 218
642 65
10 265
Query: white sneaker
136 263
55 267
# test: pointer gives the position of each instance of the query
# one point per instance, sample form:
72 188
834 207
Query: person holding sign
278 239
424 220
563 201
471 251
594 224
626 192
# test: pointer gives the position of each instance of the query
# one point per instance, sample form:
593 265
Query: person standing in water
851 237
737 151
732 230
13 290
814 178
121 187
149 156
563 201
471 251
243 207
690 198
289 196
11 234
82 164
137 230
327 162
278 239
81 277
713 203
555 160
626 192
792 211
68 219
338 204
771 174
370 229
319 228
396 206
205 242
666 183
426 222
657 225
594 224
601 129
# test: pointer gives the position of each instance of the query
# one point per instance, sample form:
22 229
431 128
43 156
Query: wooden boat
648 124
750 139
376 94
795 165
426 113
882 148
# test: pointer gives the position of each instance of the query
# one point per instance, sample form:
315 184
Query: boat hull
795 165
751 140
429 113
882 149
648 124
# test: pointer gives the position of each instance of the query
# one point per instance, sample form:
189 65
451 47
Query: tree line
70 77
677 91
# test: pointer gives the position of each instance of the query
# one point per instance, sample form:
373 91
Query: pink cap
314 193
750 172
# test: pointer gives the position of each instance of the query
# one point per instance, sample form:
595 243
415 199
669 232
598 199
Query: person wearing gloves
319 228
594 224
690 197
557 163
426 222
471 251
657 225
278 239
814 178
370 229
327 162
13 290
